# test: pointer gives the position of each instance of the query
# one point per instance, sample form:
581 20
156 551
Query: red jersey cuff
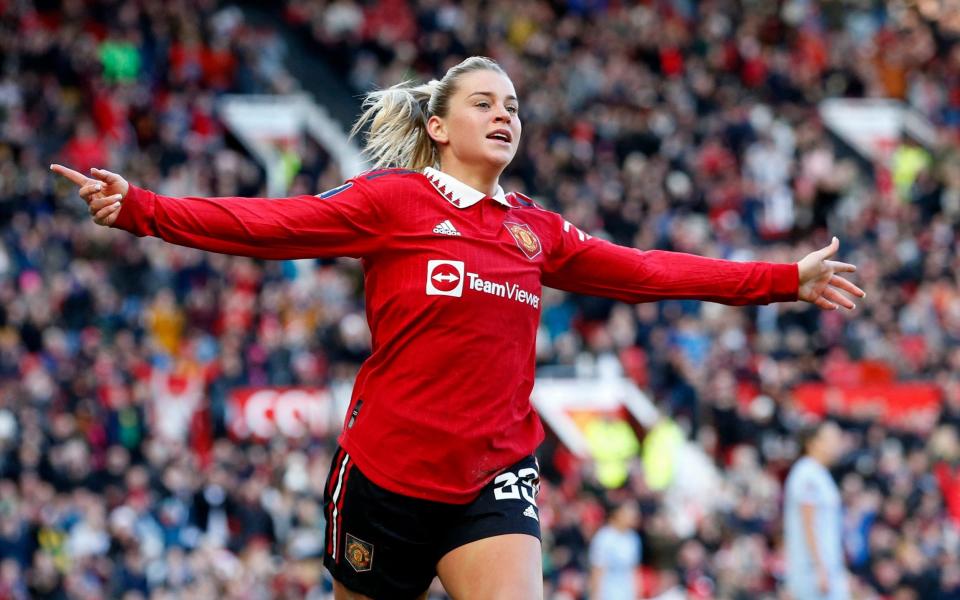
786 282
136 212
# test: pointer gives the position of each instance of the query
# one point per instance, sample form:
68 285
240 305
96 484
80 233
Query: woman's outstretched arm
347 222
584 264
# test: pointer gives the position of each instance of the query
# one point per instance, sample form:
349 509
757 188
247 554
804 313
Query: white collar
457 192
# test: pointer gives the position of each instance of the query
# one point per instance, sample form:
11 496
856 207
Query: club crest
359 554
526 239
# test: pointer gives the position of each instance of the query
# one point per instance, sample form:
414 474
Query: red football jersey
453 285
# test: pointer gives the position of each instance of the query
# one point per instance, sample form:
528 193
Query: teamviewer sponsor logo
445 278
504 290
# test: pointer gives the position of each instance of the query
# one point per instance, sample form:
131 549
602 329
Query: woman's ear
437 130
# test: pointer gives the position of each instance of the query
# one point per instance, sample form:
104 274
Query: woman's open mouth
501 135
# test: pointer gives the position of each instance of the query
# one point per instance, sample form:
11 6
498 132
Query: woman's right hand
102 192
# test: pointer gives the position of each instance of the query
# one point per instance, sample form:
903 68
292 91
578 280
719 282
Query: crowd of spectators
678 125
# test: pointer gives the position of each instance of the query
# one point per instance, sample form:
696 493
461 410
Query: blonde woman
435 473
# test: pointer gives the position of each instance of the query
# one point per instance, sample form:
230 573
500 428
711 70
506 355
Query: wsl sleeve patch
336 190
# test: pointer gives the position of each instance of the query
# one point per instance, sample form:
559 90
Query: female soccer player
435 473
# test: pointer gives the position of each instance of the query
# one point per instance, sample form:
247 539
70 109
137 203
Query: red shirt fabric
453 285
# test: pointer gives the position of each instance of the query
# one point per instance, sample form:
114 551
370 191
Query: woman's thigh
492 551
502 567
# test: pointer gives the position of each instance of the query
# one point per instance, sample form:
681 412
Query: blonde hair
398 117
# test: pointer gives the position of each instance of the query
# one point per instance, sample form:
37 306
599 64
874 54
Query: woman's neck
479 179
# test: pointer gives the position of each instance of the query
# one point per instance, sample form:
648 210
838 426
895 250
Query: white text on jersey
567 225
504 290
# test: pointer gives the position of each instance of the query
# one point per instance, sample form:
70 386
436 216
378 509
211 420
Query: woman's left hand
820 283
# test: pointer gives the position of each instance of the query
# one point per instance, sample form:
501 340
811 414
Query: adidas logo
529 512
446 227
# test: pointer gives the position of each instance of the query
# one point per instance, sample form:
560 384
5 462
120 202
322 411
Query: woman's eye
512 109
484 104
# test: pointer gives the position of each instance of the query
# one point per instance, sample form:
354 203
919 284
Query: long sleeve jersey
453 282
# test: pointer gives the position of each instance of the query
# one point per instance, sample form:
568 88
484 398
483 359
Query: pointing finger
74 176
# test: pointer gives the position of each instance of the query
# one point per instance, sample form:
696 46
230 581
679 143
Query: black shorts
387 545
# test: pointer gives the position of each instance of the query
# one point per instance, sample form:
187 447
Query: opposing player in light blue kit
615 553
813 519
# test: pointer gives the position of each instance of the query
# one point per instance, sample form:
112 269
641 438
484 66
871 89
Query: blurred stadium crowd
678 125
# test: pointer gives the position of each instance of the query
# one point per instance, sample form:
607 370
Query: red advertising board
892 402
263 413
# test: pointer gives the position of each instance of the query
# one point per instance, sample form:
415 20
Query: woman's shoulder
533 211
388 176
390 183
522 201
